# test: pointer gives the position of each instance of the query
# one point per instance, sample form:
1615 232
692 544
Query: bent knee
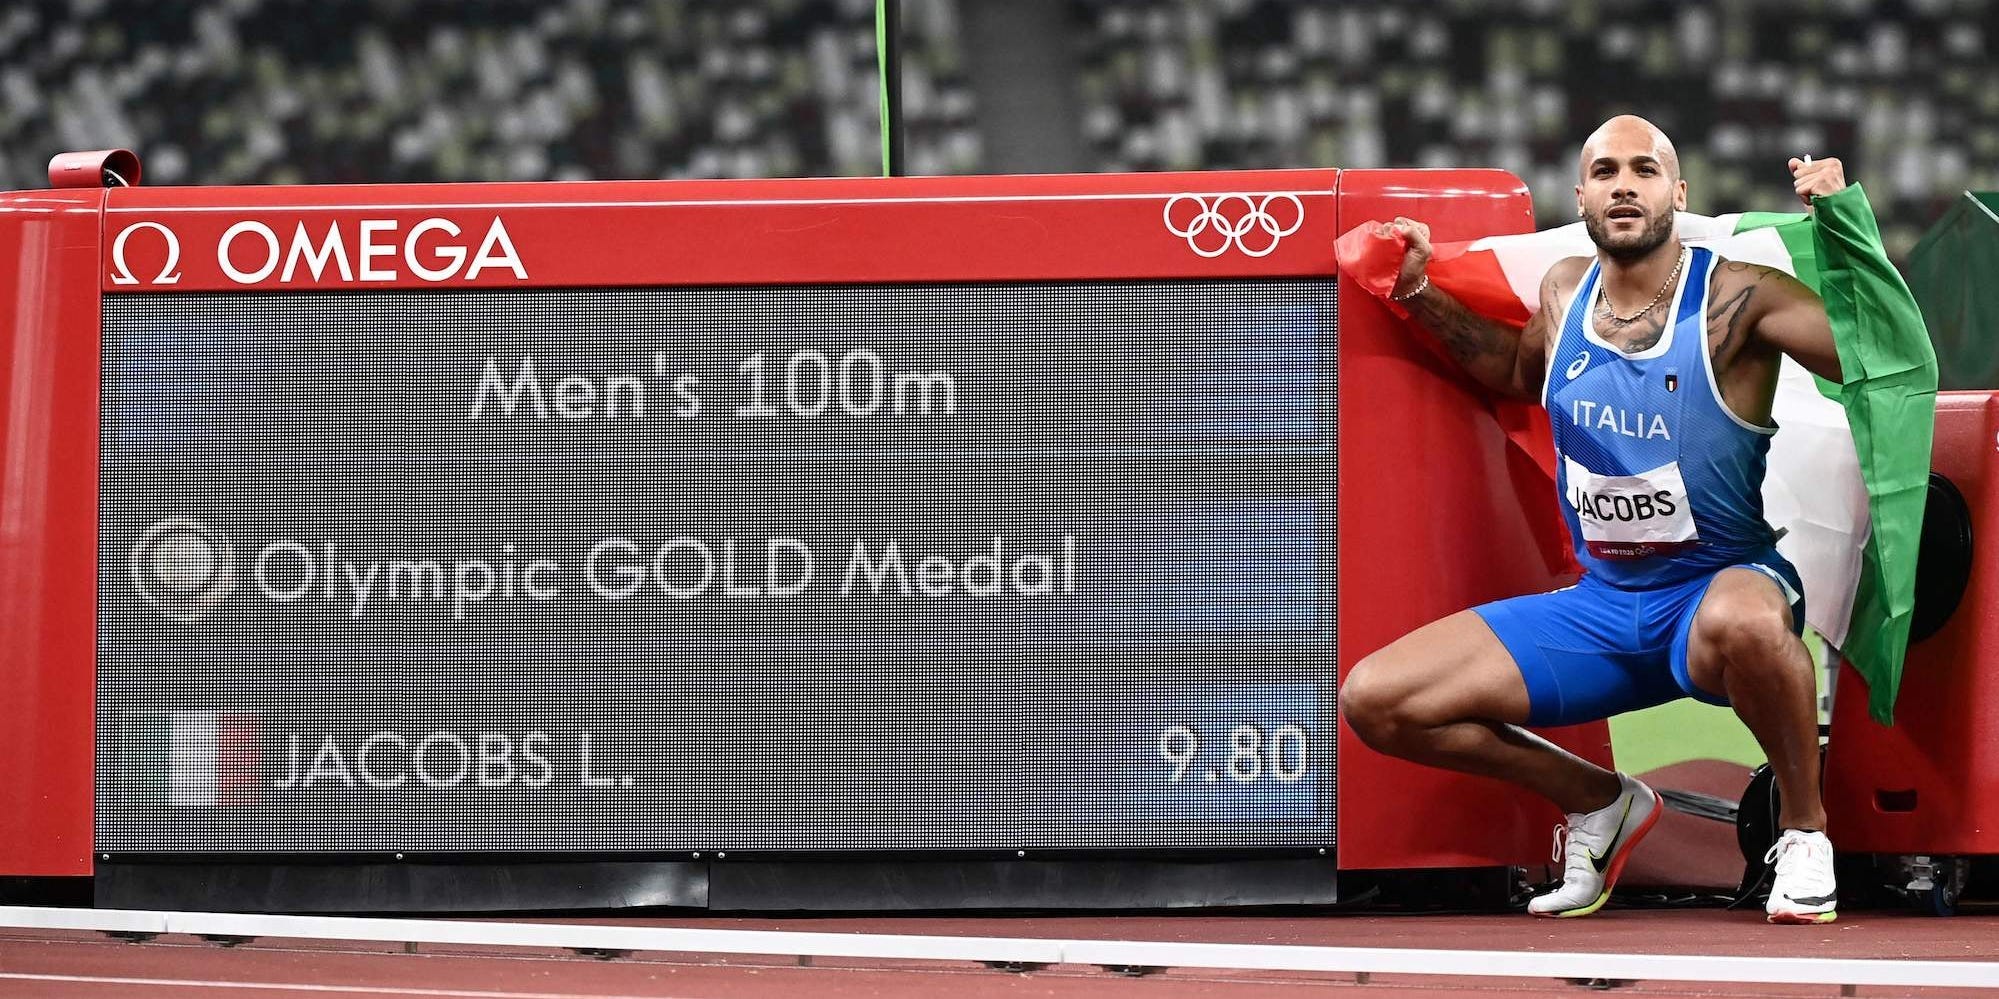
1379 708
1745 630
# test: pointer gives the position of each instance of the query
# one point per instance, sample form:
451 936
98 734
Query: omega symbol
121 272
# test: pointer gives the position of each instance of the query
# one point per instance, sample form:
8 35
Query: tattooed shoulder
1729 305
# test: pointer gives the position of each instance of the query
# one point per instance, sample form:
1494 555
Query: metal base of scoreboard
1022 884
68 892
334 887
723 886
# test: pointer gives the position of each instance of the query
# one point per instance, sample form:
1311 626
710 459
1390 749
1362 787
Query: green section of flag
145 743
1889 390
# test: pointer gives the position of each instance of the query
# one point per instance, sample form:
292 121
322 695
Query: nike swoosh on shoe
1599 862
1813 899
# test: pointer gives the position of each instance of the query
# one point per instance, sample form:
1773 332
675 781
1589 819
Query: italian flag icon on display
1849 470
194 759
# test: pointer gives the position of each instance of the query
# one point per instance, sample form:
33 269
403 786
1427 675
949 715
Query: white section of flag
194 741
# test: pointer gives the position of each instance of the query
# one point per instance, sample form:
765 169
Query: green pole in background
888 58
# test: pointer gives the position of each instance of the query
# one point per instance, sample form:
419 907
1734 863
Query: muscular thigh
1449 670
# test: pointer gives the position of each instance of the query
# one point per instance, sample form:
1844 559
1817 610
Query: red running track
72 965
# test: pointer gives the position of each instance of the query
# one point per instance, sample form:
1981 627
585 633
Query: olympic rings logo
1241 221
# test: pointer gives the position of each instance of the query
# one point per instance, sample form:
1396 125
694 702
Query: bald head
1630 187
1627 135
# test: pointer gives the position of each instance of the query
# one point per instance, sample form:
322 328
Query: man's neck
1629 284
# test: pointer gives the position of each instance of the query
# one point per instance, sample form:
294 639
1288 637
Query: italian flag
1848 473
192 759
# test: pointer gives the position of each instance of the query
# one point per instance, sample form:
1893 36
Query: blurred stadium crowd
282 91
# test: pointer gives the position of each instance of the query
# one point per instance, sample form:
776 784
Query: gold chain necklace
1670 278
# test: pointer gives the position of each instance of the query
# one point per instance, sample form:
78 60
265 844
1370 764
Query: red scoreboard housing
1436 509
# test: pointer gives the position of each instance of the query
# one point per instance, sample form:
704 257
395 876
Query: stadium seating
265 91
1901 91
272 91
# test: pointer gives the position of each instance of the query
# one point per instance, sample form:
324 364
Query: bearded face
1628 229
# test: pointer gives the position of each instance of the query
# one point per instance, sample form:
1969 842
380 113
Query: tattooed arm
1792 320
1758 310
1511 362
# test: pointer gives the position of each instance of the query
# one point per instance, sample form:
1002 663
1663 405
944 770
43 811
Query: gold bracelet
1421 286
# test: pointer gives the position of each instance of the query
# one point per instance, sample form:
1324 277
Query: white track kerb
1024 952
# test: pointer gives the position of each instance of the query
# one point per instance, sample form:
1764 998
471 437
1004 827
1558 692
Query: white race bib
1632 516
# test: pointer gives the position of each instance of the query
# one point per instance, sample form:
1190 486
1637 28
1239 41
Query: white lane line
526 934
1538 964
367 990
1379 960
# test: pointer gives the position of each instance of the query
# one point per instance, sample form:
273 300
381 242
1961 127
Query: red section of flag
1372 258
238 758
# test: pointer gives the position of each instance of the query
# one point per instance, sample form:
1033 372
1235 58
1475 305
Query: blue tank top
1660 481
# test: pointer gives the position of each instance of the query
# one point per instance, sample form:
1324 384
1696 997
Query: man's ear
1579 201
1680 196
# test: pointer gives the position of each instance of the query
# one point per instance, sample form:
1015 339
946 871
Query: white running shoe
1804 891
1598 845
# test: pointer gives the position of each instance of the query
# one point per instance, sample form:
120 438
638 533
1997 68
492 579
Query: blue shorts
1593 650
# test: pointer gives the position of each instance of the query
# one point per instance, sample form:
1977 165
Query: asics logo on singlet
1243 221
1576 367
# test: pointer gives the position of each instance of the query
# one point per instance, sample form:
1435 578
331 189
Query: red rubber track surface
71 965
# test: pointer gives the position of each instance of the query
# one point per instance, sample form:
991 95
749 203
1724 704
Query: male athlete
1657 363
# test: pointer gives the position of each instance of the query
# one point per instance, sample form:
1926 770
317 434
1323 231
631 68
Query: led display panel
902 567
